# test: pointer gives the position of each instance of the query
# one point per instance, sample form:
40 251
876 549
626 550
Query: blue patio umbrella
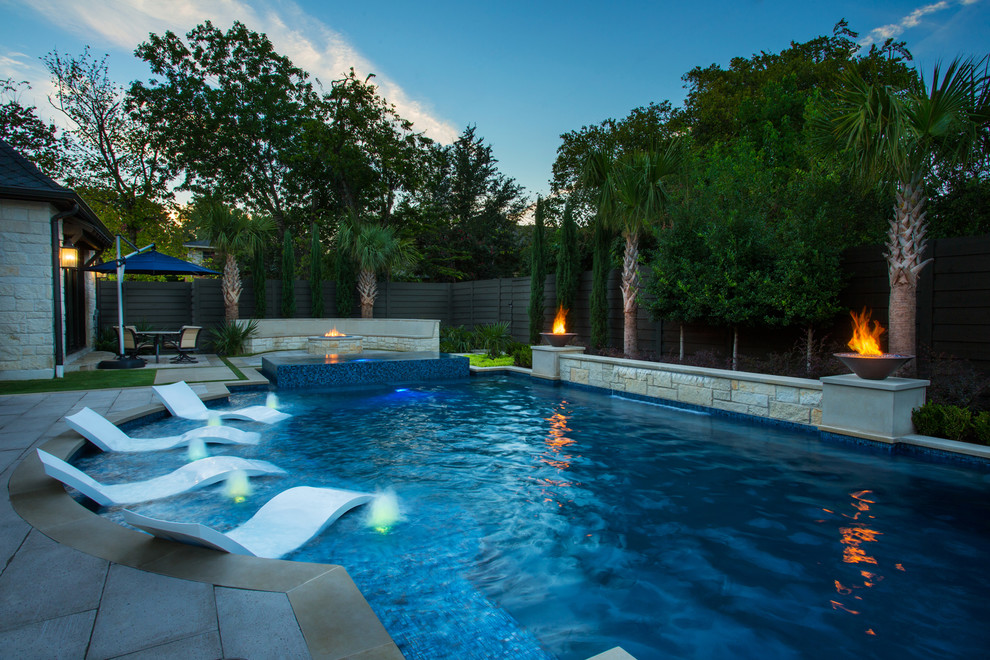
153 262
145 261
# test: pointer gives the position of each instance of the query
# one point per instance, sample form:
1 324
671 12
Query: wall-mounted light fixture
68 255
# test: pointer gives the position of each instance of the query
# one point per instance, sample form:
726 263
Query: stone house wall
795 400
26 310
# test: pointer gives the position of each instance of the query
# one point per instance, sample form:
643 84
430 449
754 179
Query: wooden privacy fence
953 305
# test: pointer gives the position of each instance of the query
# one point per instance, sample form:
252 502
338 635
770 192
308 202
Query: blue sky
523 72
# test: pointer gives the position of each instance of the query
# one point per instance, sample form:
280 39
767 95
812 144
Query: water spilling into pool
536 521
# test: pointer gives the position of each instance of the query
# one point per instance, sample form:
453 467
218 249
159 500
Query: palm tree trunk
367 291
231 285
682 342
630 289
735 349
905 246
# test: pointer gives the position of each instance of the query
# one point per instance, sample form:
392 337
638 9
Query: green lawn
100 379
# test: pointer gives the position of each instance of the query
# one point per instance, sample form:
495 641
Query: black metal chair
185 343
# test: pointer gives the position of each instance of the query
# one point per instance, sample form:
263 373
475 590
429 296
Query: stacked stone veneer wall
376 334
26 311
795 400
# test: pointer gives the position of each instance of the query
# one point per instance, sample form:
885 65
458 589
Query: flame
334 333
558 321
865 339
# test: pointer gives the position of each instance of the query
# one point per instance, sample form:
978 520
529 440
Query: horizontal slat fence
953 305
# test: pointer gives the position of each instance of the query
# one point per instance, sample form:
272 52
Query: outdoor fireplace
334 343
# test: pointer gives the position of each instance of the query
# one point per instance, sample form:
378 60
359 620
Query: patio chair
190 476
185 343
104 434
181 401
132 342
284 523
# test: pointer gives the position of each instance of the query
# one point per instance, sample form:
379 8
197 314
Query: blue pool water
543 521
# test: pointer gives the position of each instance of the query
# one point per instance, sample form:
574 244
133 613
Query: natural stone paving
193 373
56 601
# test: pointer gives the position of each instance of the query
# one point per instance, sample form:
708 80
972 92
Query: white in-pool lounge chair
104 434
181 401
188 477
283 524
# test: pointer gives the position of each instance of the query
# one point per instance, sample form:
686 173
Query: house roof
21 179
199 245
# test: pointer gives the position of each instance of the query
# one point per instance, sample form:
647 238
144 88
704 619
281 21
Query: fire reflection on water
557 455
854 538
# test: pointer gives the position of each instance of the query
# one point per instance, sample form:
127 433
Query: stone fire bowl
558 340
875 367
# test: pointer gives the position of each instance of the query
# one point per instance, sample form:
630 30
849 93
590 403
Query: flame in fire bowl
873 367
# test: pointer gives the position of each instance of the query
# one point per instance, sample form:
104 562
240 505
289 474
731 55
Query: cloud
894 30
309 43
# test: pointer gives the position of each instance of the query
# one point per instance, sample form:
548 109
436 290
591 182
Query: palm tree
233 233
632 199
375 249
900 138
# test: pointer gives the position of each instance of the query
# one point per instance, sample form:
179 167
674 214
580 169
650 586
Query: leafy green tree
234 234
464 216
316 272
375 249
228 110
288 277
22 129
259 275
599 285
113 156
899 137
539 274
568 265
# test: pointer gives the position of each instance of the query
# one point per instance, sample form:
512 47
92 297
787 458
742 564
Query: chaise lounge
107 436
284 523
188 477
181 401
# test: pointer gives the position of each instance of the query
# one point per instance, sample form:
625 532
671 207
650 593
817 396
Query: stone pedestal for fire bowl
558 339
873 367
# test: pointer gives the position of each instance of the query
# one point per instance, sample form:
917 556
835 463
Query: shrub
951 422
107 340
522 354
230 337
981 428
494 338
456 339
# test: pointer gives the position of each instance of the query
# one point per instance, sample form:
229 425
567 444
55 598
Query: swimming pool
550 521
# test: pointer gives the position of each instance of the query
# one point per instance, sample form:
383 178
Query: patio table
159 336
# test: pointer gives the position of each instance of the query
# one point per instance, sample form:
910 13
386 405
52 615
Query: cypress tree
599 286
538 277
568 265
288 275
346 281
259 277
316 272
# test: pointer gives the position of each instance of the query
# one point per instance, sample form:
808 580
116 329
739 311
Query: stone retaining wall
377 334
796 400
